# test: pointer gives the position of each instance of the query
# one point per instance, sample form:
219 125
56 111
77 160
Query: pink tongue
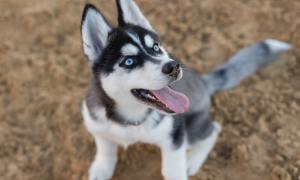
176 101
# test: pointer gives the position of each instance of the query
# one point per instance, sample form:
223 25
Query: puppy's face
134 65
131 65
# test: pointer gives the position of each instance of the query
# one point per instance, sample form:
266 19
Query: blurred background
44 75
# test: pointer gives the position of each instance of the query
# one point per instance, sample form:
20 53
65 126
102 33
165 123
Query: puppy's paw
99 172
176 178
192 169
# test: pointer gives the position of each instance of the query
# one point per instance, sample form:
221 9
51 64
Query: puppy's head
129 60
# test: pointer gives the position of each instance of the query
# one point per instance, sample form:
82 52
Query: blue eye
129 62
156 47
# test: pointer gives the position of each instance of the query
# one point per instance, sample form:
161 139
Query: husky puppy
140 93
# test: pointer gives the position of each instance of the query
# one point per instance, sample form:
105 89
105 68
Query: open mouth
165 99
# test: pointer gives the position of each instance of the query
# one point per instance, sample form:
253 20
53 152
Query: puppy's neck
133 112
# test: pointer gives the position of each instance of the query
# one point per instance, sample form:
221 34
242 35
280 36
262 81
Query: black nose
171 68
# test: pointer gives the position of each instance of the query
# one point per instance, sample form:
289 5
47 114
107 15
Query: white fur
174 163
198 153
129 50
133 15
94 34
277 46
105 160
149 41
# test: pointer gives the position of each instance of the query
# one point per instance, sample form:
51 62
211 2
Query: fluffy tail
246 62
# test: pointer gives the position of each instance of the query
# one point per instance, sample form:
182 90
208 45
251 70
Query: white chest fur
152 131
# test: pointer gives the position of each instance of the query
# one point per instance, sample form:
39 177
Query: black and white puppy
139 93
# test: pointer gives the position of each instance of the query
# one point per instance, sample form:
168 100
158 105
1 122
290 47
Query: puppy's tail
246 62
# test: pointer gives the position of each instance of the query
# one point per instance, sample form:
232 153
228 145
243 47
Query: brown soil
43 77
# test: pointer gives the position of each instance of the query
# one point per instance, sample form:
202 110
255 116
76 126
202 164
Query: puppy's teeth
150 96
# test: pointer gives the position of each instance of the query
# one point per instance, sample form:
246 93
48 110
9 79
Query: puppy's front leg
105 160
174 163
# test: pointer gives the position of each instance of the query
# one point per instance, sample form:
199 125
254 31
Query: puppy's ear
94 32
129 13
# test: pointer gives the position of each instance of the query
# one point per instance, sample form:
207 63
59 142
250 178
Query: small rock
278 173
8 45
297 95
298 163
49 41
294 170
191 45
241 152
279 158
262 124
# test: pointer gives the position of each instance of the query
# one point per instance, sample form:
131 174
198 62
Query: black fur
198 126
141 32
177 133
112 53
97 97
221 75
120 14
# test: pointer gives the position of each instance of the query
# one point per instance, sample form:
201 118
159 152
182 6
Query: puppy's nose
171 68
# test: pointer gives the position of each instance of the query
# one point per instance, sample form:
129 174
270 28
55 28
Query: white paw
99 172
176 178
193 168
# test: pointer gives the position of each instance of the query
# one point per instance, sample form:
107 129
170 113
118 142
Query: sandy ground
43 77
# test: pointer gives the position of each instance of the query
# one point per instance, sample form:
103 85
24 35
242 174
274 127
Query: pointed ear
94 32
129 13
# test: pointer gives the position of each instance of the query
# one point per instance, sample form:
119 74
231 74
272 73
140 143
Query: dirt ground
43 77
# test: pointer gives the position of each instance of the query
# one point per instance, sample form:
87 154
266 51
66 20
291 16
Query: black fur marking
198 126
111 55
177 133
120 14
97 97
141 33
265 47
138 62
221 77
150 50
